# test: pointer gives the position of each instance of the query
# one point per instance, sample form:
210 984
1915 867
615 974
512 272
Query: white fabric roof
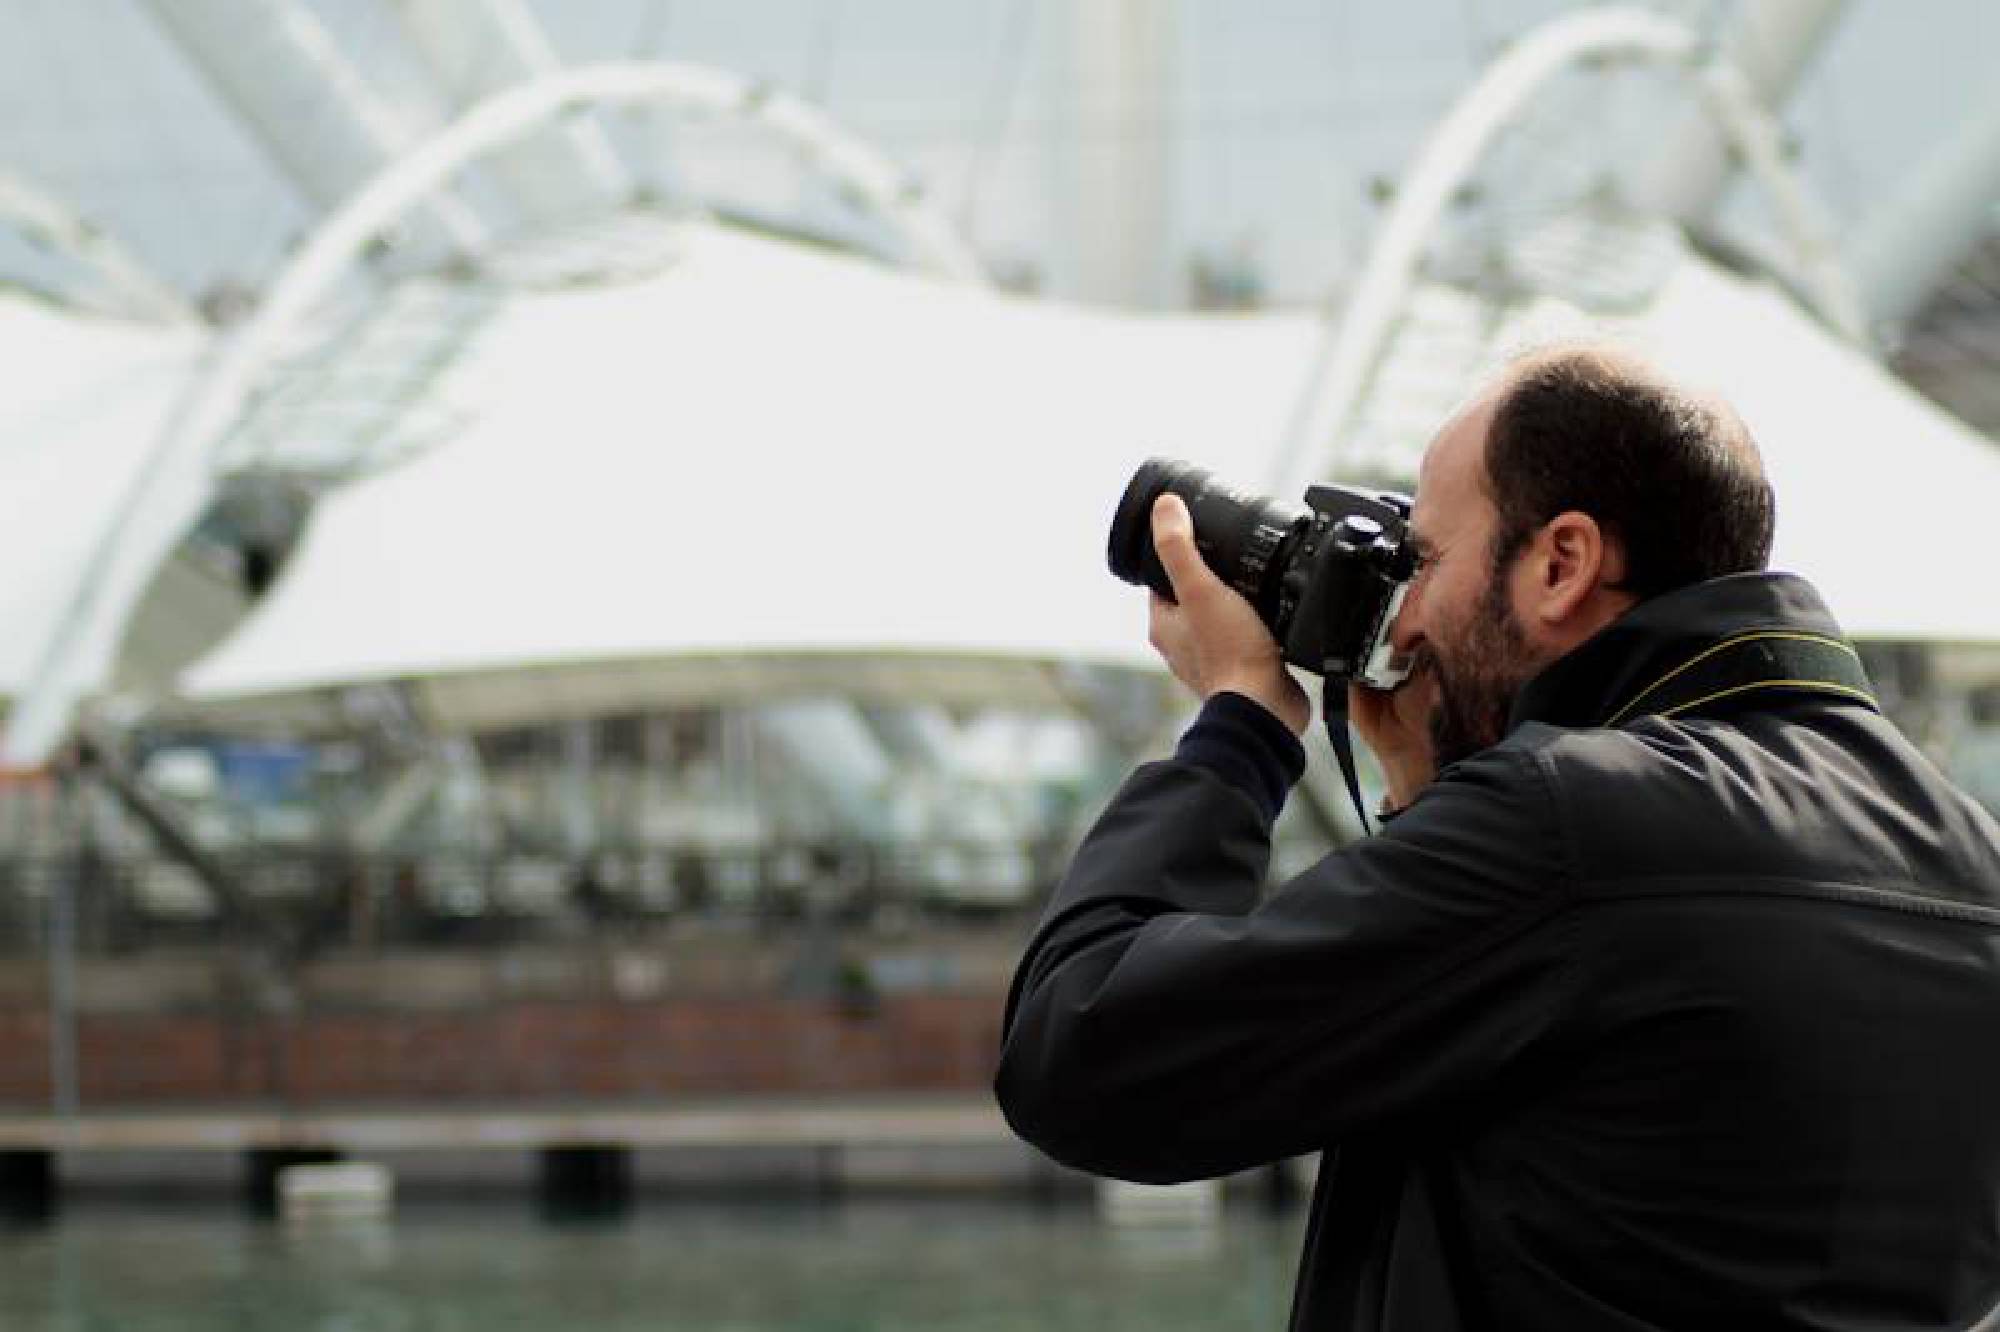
739 475
1851 450
772 470
84 401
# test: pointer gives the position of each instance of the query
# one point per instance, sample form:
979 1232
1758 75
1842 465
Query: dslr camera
1327 580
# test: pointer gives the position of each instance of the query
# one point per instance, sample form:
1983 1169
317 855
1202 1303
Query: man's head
1579 484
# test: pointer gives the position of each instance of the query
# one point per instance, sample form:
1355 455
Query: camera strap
1333 710
1756 661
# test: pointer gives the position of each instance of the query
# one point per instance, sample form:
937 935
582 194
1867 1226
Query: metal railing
309 901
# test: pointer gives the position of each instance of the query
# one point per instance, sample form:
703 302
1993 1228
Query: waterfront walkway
847 1122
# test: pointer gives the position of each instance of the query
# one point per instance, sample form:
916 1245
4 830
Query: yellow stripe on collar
1739 640
1823 686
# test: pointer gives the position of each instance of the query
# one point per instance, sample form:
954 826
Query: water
855 1267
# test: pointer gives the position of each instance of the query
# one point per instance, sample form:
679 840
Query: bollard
27 1185
586 1181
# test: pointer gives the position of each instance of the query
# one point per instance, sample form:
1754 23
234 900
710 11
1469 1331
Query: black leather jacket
1688 1021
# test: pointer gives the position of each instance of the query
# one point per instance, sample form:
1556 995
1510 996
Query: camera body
1346 584
1327 580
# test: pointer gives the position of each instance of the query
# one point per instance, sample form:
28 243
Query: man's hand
1395 724
1209 635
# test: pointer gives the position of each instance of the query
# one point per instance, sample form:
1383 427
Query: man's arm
1165 1025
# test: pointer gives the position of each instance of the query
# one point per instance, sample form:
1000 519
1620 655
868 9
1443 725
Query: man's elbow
1077 1119
1040 1109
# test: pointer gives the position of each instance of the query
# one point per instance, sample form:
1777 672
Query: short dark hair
1672 476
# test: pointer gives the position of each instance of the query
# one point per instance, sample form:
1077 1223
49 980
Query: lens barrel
1244 538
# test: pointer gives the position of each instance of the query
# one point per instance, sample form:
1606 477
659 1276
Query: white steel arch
177 481
1349 352
50 221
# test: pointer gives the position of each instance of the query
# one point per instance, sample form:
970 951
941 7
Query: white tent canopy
771 471
1852 452
766 471
84 400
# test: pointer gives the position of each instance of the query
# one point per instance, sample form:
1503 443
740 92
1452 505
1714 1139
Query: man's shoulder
1656 797
1599 760
1829 796
1609 767
1568 764
1591 751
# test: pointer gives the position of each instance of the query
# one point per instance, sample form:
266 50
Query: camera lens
1242 537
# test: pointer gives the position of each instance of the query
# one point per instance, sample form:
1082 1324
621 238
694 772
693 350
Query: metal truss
1350 352
49 222
173 489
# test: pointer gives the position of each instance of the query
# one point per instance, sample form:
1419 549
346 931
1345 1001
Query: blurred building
556 550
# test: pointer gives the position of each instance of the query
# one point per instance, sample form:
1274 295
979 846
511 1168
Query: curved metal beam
1347 358
49 221
1773 42
177 480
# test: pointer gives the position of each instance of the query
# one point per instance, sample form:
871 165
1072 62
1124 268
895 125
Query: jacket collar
1692 648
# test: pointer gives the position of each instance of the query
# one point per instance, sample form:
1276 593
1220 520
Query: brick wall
536 1050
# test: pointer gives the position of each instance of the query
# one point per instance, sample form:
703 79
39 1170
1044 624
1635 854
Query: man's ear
1570 559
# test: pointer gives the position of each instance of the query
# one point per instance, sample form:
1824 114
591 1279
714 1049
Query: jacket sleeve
1164 1025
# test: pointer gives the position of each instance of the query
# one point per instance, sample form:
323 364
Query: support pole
64 1096
1773 43
269 59
1114 165
1931 220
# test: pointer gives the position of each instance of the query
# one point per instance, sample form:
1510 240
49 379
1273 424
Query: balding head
1672 476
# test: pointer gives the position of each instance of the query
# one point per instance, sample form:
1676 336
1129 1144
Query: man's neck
1661 653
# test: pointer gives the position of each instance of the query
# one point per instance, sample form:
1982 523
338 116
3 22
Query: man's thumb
1173 538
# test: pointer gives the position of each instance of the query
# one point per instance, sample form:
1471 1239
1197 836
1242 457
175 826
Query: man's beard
1478 676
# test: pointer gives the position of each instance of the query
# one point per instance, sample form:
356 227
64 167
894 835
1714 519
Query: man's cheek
1417 701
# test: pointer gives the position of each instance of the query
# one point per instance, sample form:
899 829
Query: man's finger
1173 537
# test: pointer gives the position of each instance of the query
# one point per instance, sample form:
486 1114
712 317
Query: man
1668 998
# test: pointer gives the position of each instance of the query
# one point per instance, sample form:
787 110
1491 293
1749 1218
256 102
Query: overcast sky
1280 113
